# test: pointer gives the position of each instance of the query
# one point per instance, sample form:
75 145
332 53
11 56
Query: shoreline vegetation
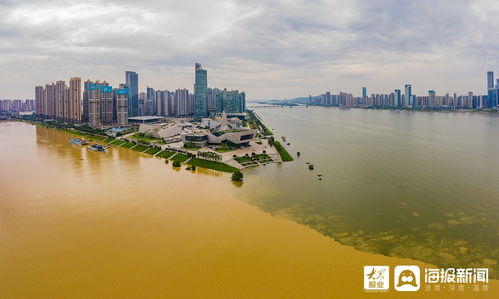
152 147
255 122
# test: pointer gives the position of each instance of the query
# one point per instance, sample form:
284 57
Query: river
82 224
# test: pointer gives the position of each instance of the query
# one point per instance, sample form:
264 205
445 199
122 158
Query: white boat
98 148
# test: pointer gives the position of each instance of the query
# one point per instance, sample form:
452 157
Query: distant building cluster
17 105
406 99
101 105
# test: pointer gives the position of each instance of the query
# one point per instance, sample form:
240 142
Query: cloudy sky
270 49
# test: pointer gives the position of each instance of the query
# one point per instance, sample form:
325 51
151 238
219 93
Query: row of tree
209 156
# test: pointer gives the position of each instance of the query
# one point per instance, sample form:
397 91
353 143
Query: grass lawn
146 138
211 165
140 148
263 158
180 157
192 148
107 140
245 161
152 150
285 156
224 150
266 131
117 142
127 144
85 135
165 154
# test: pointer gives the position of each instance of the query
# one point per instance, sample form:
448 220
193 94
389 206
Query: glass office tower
132 81
200 93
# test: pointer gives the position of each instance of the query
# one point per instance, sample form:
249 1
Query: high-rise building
407 95
431 99
39 109
132 81
490 80
150 101
470 100
106 104
100 104
142 103
121 104
233 101
94 104
364 92
75 100
200 92
50 99
211 100
60 92
85 116
181 102
397 98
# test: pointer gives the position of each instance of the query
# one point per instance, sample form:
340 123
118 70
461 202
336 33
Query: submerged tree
237 176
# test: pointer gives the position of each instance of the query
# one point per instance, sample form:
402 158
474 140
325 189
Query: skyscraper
75 100
60 88
93 104
39 100
106 104
364 92
150 101
490 80
121 95
142 103
100 103
132 81
200 92
431 98
181 102
407 95
85 117
397 98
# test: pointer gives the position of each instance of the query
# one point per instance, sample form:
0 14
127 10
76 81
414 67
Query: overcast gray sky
270 49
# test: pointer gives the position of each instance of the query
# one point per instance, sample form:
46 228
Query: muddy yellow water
82 224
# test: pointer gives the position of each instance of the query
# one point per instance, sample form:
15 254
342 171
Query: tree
237 176
176 164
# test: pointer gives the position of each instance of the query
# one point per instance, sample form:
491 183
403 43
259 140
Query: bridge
276 106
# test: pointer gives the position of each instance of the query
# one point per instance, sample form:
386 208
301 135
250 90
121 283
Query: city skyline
274 50
98 104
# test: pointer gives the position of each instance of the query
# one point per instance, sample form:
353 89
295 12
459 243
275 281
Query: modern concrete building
145 119
204 137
